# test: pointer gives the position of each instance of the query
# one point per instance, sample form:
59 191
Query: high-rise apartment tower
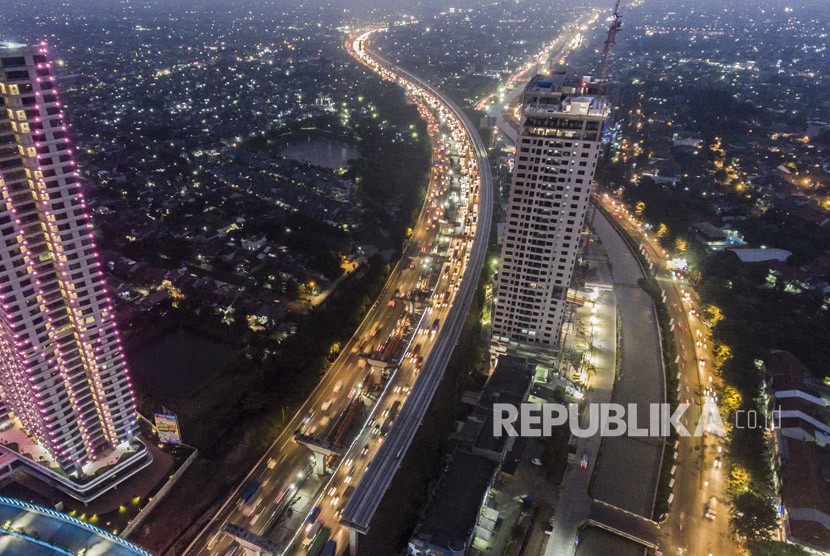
556 157
62 369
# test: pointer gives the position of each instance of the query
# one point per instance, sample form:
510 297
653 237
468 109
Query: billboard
167 428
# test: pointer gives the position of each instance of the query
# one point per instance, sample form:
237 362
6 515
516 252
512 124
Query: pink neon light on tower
74 400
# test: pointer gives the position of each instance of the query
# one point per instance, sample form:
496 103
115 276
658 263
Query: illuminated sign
167 428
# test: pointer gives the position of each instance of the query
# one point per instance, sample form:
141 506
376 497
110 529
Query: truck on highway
390 348
370 382
249 500
320 542
312 517
249 491
311 532
330 549
393 411
348 493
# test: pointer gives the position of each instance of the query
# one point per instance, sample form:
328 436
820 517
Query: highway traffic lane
700 537
331 500
402 433
277 482
329 515
337 484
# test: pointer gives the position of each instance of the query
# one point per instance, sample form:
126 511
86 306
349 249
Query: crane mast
616 25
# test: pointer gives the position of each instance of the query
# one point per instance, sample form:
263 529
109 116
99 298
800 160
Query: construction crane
610 41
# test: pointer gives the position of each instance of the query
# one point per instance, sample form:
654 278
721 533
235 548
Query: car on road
250 491
349 474
711 509
536 461
213 539
329 549
311 532
551 521
583 463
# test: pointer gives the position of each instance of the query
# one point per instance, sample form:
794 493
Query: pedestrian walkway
625 524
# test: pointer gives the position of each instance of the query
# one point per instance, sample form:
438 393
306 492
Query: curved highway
363 503
413 334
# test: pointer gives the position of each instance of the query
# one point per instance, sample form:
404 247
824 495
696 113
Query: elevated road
364 502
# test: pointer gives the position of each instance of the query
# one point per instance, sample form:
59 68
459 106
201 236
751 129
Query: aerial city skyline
431 278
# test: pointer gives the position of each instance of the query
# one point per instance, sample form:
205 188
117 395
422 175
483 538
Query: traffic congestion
293 499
